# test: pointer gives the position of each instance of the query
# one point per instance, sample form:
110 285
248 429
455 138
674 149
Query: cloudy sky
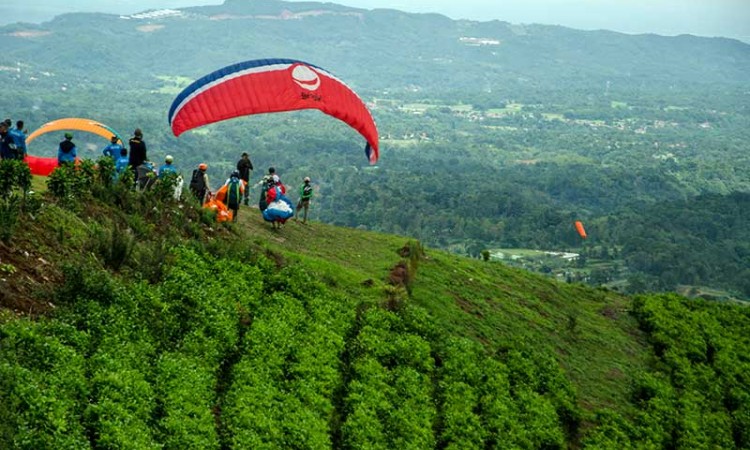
729 18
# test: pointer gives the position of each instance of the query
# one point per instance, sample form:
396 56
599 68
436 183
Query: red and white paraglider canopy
267 86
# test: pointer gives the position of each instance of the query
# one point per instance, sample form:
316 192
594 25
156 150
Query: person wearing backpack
280 208
235 193
67 151
265 183
199 183
305 195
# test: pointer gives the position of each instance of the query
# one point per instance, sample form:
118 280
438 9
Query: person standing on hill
305 195
265 183
112 150
199 183
167 167
235 191
19 140
122 161
67 151
6 142
137 151
245 167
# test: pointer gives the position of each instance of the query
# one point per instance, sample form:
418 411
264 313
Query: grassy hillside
148 325
590 331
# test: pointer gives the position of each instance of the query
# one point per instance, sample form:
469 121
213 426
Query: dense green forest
152 326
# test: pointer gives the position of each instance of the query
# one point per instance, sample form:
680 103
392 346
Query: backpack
197 181
307 192
233 193
262 204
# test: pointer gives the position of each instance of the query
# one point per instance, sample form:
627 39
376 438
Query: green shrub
185 387
113 245
10 209
42 386
14 175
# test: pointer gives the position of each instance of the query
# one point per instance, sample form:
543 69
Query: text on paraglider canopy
311 96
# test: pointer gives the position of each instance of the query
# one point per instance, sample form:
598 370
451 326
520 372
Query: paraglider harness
198 184
307 191
267 183
233 193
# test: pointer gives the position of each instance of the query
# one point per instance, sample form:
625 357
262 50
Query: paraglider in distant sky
268 86
580 229
44 166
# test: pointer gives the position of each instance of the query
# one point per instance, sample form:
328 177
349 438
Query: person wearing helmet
305 196
67 151
245 167
113 149
167 167
199 183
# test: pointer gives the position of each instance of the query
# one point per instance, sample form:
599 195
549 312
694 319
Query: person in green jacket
305 195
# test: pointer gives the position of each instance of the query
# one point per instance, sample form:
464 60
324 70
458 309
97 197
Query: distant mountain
378 49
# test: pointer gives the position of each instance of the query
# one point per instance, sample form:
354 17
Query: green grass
39 184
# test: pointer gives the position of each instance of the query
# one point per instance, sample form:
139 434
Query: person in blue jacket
66 151
113 149
167 167
19 139
122 161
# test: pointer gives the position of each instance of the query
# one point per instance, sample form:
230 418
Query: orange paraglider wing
580 229
74 123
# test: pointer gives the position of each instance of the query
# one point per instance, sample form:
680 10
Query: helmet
236 174
202 166
68 135
169 159
276 179
307 179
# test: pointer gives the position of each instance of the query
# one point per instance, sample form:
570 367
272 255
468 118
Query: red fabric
271 193
41 166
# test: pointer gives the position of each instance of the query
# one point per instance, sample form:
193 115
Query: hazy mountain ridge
375 48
